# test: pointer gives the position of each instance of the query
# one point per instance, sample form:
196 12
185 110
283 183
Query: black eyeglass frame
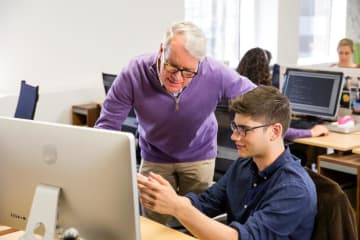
242 130
185 73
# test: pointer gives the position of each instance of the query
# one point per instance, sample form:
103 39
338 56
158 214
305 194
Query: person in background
174 93
266 194
345 51
255 66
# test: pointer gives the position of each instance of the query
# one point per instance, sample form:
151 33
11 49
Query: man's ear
276 132
161 48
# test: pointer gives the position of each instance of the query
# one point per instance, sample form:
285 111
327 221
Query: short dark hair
264 103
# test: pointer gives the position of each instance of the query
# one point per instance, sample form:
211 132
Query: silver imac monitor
94 169
313 93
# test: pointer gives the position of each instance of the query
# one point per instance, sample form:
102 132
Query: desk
85 114
337 141
356 150
150 230
315 146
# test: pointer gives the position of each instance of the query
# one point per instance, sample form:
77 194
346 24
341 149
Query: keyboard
304 123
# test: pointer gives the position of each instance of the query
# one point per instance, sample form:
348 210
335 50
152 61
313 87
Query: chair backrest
276 75
335 219
27 101
108 80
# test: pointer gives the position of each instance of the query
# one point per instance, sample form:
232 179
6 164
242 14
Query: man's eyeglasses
184 72
173 69
242 130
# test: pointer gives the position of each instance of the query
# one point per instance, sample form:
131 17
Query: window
234 26
322 24
219 19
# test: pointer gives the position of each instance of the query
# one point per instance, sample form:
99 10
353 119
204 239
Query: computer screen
313 93
95 169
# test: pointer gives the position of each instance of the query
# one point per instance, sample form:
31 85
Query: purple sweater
293 133
167 135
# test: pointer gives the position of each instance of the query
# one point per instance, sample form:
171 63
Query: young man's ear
276 132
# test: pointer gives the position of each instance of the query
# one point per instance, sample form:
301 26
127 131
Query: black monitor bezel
332 113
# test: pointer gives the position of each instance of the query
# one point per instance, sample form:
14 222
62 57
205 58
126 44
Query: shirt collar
270 170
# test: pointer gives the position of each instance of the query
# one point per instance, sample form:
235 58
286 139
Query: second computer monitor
313 93
95 170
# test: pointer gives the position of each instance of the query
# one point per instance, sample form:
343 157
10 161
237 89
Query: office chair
276 75
108 79
335 219
27 101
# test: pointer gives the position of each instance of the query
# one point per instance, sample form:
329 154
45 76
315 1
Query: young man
174 93
267 195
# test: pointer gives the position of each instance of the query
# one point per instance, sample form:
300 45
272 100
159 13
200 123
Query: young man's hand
158 195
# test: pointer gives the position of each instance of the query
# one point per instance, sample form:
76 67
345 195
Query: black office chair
108 79
276 75
27 101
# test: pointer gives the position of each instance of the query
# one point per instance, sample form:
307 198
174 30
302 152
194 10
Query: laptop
335 127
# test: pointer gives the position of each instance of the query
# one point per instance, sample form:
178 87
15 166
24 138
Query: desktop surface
337 141
150 230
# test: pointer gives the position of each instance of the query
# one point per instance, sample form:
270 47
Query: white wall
63 46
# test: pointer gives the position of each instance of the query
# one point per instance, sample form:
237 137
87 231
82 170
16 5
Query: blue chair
27 101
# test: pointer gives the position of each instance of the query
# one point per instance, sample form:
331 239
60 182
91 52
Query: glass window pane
219 19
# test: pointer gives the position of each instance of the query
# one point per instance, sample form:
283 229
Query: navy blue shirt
277 203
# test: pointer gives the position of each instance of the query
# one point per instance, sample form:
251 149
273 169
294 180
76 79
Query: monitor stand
43 212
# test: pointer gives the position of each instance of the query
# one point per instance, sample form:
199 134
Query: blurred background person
345 51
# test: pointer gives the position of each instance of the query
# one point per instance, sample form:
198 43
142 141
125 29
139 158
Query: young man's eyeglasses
242 130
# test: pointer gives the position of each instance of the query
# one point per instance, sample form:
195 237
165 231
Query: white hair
194 38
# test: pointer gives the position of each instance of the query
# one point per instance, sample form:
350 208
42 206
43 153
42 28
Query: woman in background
345 51
255 65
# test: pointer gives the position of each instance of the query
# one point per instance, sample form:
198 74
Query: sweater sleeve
293 133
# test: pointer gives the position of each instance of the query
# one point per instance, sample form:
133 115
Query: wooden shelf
85 114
